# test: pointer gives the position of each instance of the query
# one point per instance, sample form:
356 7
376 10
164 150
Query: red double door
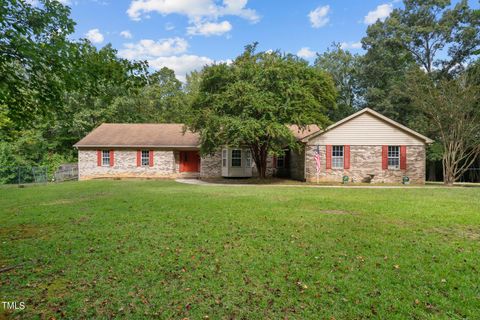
189 161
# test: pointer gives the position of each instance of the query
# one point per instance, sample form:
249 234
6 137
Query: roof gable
359 122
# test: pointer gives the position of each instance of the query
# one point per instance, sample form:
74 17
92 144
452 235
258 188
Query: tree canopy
251 101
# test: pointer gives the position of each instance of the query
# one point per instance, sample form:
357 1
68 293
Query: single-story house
365 146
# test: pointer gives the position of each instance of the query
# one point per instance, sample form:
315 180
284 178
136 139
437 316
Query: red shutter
99 158
403 157
112 159
384 157
346 158
329 156
150 158
139 158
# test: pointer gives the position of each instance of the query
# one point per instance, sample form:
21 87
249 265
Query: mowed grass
159 249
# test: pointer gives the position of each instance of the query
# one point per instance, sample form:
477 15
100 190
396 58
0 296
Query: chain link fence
37 174
23 175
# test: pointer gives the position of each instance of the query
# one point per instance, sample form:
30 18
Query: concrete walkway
206 183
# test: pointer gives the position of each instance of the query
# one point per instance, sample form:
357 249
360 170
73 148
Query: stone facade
166 164
211 166
365 161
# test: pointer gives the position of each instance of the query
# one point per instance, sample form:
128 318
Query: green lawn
159 249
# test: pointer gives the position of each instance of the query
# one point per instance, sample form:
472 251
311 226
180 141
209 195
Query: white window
393 157
248 159
224 158
337 157
106 158
281 161
145 157
236 158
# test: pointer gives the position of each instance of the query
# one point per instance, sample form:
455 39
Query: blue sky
187 34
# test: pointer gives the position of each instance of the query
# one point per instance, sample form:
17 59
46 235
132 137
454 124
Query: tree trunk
260 157
448 172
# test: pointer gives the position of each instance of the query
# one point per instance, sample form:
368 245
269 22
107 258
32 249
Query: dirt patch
21 232
465 233
340 212
76 199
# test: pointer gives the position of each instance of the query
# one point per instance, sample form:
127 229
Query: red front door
189 161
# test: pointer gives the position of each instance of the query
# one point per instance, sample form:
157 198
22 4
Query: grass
159 249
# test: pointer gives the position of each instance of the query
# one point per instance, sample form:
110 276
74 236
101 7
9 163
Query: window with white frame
248 159
145 157
105 157
393 157
224 158
337 157
236 158
281 161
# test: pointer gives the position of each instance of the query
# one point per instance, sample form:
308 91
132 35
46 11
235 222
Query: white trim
376 114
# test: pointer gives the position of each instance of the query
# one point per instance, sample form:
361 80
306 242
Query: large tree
344 68
432 35
251 101
451 105
33 54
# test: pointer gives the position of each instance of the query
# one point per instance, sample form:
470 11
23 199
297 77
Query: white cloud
148 49
380 13
169 26
194 9
126 34
305 53
65 2
351 45
94 36
209 28
182 65
319 16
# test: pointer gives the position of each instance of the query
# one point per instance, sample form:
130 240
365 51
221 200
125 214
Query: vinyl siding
365 130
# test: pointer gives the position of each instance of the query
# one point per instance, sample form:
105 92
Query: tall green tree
33 51
344 68
97 78
432 35
251 101
451 105
161 100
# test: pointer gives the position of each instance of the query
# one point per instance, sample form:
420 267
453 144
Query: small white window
337 157
281 161
145 157
248 159
393 157
224 158
236 158
106 158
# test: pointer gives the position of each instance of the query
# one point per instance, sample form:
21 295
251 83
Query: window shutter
384 157
99 158
329 156
139 158
346 157
287 159
112 160
403 157
150 158
274 162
